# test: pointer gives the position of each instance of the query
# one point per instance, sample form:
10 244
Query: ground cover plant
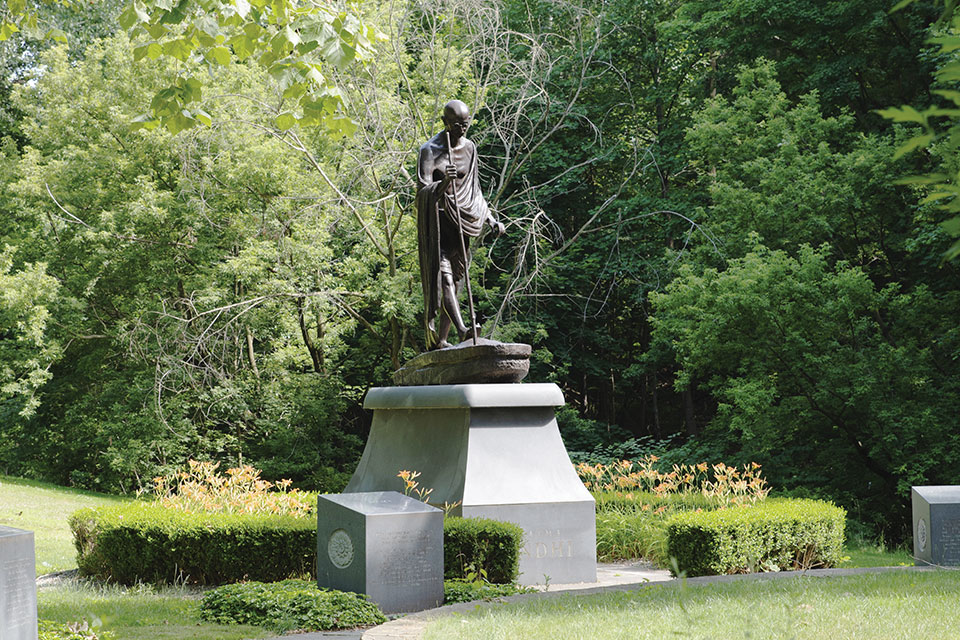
289 605
893 605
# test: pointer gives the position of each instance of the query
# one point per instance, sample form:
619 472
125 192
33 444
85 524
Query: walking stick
463 247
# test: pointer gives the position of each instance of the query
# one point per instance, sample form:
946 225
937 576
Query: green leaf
947 43
181 48
56 35
917 142
144 121
285 121
220 55
7 30
953 96
905 114
127 18
953 251
341 125
900 5
930 178
243 7
937 195
157 31
242 45
204 117
952 226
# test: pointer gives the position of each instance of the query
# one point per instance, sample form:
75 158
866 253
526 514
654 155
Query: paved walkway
610 577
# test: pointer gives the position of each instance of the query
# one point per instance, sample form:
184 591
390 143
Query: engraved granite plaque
18 589
384 544
936 525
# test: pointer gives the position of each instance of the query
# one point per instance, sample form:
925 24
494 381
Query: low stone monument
384 544
936 525
18 585
496 449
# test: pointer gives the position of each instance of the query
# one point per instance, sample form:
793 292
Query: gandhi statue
450 211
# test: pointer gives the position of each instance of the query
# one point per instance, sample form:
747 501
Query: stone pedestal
18 585
496 449
936 525
383 544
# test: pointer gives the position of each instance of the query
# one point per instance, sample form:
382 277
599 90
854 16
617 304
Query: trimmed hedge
774 534
479 543
289 605
144 541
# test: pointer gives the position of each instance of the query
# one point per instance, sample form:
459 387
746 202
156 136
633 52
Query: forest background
708 246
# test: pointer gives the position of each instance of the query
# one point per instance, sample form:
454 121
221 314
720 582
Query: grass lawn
44 508
874 555
887 606
138 613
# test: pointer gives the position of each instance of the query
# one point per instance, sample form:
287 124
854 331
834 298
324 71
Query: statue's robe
439 228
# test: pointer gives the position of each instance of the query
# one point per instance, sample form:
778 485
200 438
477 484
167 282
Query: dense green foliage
287 606
768 536
481 548
49 630
470 590
707 246
149 543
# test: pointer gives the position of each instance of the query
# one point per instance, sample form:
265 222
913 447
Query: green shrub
287 606
482 546
470 590
146 542
771 535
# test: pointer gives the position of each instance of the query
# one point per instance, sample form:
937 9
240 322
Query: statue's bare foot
443 344
468 334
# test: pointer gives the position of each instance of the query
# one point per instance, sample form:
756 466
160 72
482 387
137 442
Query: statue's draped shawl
437 210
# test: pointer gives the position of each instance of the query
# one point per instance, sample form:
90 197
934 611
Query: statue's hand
449 175
497 228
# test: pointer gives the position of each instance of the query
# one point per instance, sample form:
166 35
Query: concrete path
610 577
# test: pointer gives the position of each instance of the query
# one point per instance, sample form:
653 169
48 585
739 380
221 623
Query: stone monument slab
936 525
384 544
18 585
495 448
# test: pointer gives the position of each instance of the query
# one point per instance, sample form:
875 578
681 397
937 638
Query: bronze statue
450 211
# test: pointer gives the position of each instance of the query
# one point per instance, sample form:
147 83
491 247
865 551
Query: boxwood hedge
472 544
768 536
144 541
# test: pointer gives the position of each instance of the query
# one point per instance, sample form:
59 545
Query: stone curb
412 626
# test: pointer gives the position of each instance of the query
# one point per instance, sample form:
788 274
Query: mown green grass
44 509
875 555
892 605
138 613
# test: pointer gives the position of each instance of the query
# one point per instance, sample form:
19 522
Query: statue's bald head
455 109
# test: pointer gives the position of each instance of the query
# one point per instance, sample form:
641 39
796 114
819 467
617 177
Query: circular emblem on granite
340 549
921 535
